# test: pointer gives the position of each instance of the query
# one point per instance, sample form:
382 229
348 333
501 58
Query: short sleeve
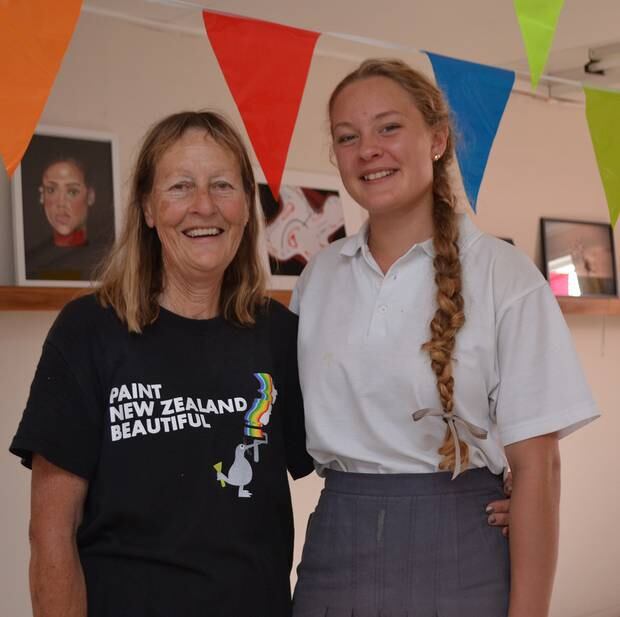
61 421
298 461
542 388
294 303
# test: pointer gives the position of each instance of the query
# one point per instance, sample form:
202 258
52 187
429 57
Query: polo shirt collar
468 234
354 243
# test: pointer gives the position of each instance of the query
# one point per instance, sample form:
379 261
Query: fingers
498 520
508 484
499 515
499 507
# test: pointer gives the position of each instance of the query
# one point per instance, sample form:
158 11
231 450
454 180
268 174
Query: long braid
447 321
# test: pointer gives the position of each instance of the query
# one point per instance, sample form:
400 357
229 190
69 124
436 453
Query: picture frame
313 210
579 258
65 203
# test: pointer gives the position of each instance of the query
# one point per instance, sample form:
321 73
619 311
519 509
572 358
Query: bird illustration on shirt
240 473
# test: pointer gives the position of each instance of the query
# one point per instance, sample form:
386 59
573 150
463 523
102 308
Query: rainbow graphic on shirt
260 406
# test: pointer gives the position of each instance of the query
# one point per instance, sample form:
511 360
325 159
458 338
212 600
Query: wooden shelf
54 298
38 298
590 306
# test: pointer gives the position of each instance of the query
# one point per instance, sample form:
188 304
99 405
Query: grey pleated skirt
396 545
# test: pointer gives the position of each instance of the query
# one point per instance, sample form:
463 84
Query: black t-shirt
185 433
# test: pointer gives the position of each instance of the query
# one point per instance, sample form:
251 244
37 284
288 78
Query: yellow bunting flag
603 114
538 20
34 35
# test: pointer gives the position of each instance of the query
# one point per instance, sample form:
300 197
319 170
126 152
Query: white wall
120 77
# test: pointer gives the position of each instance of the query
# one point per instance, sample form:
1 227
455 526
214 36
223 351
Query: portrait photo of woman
64 198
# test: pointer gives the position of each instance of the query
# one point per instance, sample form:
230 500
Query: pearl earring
436 157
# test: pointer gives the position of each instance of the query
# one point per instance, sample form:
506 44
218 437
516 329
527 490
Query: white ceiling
484 31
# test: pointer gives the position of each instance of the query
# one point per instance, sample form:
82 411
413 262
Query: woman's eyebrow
383 114
379 116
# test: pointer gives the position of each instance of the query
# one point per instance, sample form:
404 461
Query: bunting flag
477 95
603 115
34 36
538 20
266 67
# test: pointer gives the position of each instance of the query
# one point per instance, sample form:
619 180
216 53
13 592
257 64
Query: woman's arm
534 524
57 584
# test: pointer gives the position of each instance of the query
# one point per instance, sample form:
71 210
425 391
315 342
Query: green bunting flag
603 114
538 20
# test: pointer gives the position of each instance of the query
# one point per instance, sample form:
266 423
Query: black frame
545 249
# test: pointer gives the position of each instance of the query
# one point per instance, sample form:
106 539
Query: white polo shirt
363 372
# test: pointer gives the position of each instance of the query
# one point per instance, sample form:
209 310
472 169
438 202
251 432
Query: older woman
165 409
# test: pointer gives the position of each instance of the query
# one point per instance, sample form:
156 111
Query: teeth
378 174
200 232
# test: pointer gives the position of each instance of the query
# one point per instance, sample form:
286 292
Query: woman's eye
49 190
73 192
222 185
390 128
181 187
345 139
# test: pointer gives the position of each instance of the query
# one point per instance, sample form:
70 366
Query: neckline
167 317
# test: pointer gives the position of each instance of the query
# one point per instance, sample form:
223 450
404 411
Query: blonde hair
132 275
449 316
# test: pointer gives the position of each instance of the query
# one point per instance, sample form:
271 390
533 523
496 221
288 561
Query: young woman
66 194
430 356
70 247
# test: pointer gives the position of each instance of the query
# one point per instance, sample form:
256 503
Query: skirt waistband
408 484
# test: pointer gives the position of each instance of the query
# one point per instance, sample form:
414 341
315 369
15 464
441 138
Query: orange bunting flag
266 67
34 35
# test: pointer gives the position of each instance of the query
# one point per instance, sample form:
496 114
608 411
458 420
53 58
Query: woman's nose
203 201
64 201
369 148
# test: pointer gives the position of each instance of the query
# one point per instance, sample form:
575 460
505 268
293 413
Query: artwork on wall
579 258
65 206
308 216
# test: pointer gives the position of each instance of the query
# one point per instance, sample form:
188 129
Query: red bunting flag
34 35
266 67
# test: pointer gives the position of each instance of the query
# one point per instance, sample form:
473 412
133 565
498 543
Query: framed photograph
312 211
65 199
579 258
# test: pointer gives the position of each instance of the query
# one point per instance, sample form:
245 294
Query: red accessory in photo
266 67
75 238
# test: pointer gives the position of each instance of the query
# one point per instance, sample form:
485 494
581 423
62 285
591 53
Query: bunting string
378 43
258 58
